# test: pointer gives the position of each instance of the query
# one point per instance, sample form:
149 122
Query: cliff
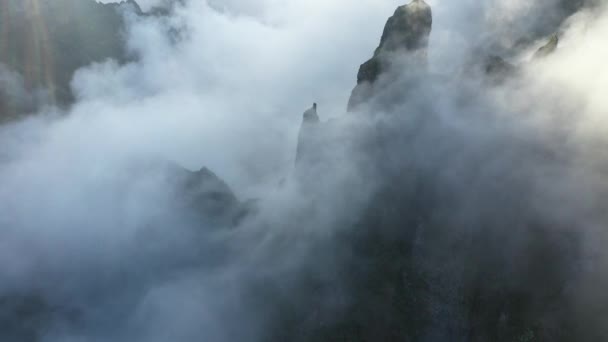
406 34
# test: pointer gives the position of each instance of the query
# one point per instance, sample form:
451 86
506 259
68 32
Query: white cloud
226 93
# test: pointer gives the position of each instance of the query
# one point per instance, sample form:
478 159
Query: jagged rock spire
311 116
307 139
406 32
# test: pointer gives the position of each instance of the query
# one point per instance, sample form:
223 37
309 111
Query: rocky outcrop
497 69
409 28
205 194
406 33
308 137
200 193
548 48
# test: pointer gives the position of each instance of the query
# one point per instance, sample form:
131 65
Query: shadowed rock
548 48
409 28
201 194
307 139
405 33
497 69
206 194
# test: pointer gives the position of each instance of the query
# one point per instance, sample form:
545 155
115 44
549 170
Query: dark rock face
45 42
498 70
204 193
405 33
548 48
307 139
497 65
409 28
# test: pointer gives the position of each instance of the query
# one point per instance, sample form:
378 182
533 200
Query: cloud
144 4
99 239
223 85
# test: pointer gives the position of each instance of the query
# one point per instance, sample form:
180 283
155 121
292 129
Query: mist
473 179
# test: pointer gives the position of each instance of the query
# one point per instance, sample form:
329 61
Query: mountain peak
406 33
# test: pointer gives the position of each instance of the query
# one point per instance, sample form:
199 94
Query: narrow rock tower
405 33
308 138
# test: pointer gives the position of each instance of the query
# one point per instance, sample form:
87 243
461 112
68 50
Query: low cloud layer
223 85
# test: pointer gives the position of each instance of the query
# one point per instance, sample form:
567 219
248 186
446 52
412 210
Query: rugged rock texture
406 33
409 28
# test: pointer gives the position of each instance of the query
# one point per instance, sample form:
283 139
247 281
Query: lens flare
31 54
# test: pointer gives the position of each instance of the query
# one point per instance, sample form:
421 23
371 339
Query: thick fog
94 227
